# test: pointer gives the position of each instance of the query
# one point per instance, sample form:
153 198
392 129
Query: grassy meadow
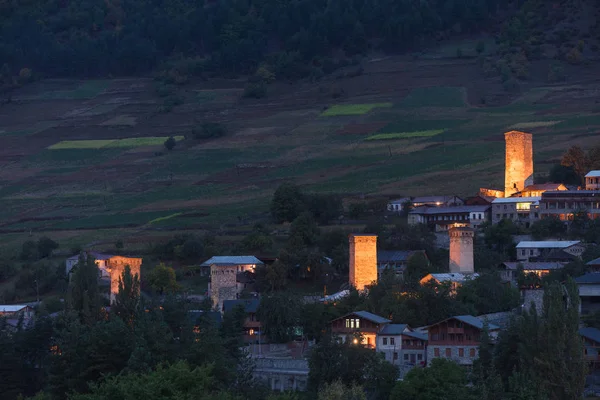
95 177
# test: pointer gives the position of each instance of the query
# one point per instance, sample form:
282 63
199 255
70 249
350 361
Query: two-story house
508 270
591 343
402 346
357 324
521 210
457 339
589 292
542 250
442 218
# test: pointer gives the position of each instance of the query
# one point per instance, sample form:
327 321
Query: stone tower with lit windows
115 266
363 260
518 172
461 250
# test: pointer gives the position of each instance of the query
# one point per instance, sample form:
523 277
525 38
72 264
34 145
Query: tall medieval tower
519 162
116 266
461 250
363 260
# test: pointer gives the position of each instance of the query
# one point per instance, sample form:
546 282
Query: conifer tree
84 294
128 297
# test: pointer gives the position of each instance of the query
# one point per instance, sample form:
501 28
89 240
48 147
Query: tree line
296 38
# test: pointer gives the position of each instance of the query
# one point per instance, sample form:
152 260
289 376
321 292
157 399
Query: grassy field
111 143
87 177
353 109
405 135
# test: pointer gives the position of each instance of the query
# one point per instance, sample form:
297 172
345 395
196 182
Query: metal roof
231 260
449 210
416 335
393 329
595 261
434 199
547 244
250 305
453 277
543 186
592 278
386 256
369 317
474 321
591 334
534 265
593 174
12 308
500 200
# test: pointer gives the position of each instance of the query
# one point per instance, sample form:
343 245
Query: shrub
170 143
256 90
556 73
209 130
574 56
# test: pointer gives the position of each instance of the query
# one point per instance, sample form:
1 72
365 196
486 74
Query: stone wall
115 267
519 162
466 359
363 260
282 374
461 250
535 296
223 285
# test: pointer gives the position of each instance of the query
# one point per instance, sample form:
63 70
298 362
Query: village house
457 339
251 323
594 265
565 204
16 311
402 346
397 205
396 260
479 200
591 343
358 325
544 250
455 279
442 218
229 276
589 292
521 210
537 189
508 270
592 180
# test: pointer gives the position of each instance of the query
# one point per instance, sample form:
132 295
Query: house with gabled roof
591 343
251 325
357 324
396 260
457 338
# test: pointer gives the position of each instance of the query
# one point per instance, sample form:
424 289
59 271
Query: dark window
392 341
385 341
448 352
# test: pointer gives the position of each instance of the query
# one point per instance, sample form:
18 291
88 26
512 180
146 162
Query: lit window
352 323
524 206
357 323
347 323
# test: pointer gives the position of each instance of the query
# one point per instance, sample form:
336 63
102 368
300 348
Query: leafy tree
128 297
163 280
417 267
279 315
548 227
500 237
304 229
84 295
324 207
338 391
45 246
443 379
287 203
209 130
173 382
170 143
276 275
487 294
29 251
576 158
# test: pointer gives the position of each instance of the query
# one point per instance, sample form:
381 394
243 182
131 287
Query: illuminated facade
363 260
461 250
518 172
115 266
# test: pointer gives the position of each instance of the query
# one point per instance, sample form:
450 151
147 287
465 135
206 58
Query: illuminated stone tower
519 162
461 249
115 266
363 260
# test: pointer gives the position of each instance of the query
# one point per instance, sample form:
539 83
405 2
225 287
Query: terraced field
84 162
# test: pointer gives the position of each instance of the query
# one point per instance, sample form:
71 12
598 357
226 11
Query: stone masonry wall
461 250
115 266
363 260
519 162
223 285
466 359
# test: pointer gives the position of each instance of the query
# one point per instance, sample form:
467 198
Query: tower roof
515 133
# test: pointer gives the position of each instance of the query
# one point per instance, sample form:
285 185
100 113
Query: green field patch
533 124
112 220
353 109
405 135
87 90
111 143
161 219
441 96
